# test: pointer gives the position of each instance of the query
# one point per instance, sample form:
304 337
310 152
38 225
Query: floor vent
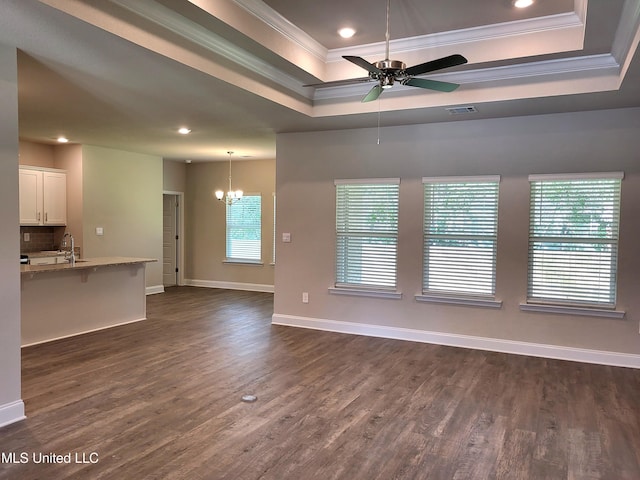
462 110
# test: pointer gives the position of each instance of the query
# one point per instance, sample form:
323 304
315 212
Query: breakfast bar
66 299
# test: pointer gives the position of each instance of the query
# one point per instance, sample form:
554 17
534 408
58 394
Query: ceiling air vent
462 110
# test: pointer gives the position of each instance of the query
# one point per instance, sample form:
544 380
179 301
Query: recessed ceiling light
346 32
184 131
522 3
63 139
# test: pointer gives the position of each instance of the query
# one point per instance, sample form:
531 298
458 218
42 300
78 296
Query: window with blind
366 233
460 232
573 238
244 229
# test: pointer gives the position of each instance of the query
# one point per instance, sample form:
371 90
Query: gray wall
308 163
122 193
11 407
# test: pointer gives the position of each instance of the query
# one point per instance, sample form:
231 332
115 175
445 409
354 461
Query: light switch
99 231
286 237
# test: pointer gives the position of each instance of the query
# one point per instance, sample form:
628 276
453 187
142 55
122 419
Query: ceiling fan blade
431 84
339 83
361 62
373 94
444 62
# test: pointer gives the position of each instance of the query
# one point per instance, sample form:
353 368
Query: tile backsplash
41 238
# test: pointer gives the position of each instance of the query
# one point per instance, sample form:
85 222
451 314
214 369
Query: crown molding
601 64
210 41
626 39
487 32
284 27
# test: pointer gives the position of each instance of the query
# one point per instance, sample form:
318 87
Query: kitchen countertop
85 263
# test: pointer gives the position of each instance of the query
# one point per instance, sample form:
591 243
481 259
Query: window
244 229
366 233
460 231
573 239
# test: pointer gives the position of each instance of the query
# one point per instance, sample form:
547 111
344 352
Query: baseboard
249 287
83 332
154 289
11 413
465 341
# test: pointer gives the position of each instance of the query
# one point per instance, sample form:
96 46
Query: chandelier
232 196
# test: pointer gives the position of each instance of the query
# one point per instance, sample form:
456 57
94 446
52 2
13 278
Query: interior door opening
171 239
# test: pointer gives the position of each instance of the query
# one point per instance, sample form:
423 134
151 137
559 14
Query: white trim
601 64
365 292
283 26
11 413
467 179
152 290
455 37
576 176
75 334
626 39
452 300
567 310
243 261
557 352
366 181
248 287
199 35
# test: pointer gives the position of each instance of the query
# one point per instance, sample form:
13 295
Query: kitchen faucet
69 255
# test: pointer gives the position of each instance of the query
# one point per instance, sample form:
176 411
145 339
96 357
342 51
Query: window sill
233 261
365 292
466 301
565 310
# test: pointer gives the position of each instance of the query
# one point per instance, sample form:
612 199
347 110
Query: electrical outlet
26 237
305 297
99 231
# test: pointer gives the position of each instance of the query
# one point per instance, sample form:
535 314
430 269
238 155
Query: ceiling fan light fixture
522 3
346 32
386 82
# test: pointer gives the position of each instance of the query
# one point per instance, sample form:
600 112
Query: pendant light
232 196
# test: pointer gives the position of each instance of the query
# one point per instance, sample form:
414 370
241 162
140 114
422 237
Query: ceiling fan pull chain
378 121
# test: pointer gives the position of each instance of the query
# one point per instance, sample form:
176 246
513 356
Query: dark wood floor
161 399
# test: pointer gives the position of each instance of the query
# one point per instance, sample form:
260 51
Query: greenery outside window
244 229
460 236
573 239
366 233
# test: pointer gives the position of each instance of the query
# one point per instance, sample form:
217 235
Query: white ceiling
127 73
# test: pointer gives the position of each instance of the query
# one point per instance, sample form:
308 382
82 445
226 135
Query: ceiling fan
387 72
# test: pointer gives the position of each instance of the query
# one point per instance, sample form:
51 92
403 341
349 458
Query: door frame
180 232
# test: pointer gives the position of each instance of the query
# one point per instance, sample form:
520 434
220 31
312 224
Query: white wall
308 163
11 406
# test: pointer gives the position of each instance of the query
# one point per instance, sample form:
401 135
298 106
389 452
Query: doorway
172 244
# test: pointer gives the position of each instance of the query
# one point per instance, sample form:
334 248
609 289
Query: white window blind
460 231
366 233
244 226
573 239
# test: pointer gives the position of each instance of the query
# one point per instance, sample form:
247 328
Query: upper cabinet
43 196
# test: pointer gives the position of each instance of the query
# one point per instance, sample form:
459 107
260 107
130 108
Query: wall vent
461 110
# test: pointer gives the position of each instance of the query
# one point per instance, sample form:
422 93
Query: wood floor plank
161 399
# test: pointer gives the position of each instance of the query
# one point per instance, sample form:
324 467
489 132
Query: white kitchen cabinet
43 197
